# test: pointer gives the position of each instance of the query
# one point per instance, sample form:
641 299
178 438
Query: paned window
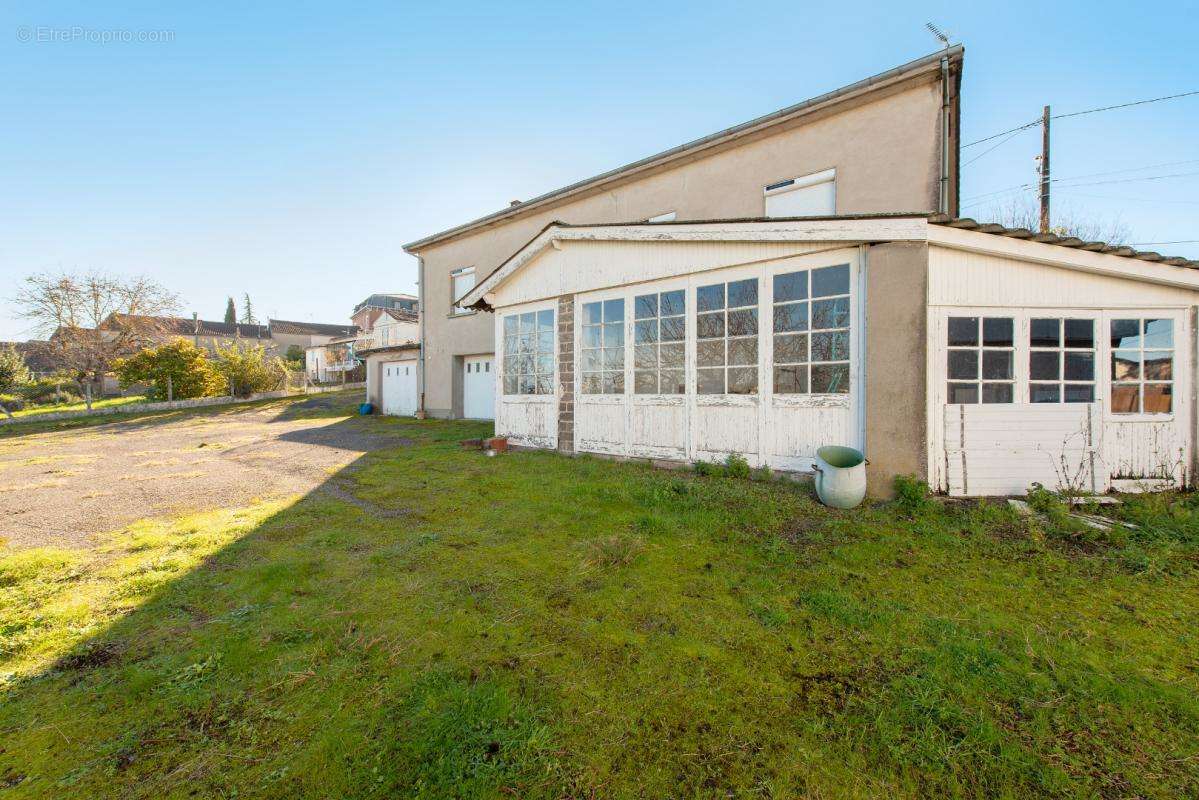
1061 360
529 353
659 348
981 359
726 333
811 331
1142 366
602 352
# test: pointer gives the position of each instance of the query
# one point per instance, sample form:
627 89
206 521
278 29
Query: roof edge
893 75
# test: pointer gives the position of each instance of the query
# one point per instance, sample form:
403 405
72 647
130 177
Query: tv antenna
935 31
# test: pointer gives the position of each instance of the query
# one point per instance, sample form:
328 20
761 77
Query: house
978 357
285 335
38 356
390 352
367 312
885 144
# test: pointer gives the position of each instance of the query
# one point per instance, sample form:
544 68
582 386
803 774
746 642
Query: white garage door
399 388
478 387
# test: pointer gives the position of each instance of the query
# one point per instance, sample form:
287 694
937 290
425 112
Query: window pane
791 317
645 382
963 331
510 346
671 355
511 323
997 364
673 382
1126 398
591 335
592 382
743 380
963 364
674 329
589 360
709 381
528 383
743 293
791 380
792 286
997 392
997 332
1045 333
743 322
710 353
614 310
1080 367
592 313
830 313
830 346
614 358
963 393
545 341
645 306
645 356
613 383
509 384
528 322
1080 333
790 349
1126 333
1158 397
830 280
830 378
613 335
673 303
645 331
1158 333
1080 393
709 298
545 320
1044 392
1126 365
743 351
545 365
545 384
709 326
1044 366
1158 365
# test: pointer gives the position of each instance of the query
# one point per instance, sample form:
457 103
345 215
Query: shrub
190 372
13 372
705 468
249 370
912 495
762 473
50 391
735 466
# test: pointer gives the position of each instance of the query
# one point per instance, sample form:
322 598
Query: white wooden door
399 388
478 387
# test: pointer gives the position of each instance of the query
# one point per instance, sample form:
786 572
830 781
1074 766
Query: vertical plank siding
1000 449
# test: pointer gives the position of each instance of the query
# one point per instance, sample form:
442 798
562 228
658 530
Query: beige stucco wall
885 148
896 292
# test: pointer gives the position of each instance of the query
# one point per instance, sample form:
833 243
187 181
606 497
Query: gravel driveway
60 488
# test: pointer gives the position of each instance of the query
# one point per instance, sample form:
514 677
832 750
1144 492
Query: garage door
399 388
478 387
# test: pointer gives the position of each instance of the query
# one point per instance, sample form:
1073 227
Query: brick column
566 374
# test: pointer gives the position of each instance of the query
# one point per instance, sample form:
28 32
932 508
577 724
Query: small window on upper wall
461 282
1061 360
1142 366
812 195
667 217
980 360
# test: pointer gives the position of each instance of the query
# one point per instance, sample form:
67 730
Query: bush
735 466
13 372
705 468
50 391
249 370
190 372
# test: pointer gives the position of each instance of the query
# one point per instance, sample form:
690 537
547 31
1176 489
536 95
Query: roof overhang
850 229
921 69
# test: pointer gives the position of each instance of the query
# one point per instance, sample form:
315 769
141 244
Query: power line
1177 241
1064 184
993 147
1037 121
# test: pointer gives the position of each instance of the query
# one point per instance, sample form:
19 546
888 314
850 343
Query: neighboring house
201 332
37 355
885 144
286 334
978 357
331 361
367 312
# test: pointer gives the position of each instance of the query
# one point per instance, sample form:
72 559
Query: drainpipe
420 324
943 205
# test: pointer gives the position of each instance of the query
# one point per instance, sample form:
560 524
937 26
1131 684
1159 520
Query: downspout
943 206
420 323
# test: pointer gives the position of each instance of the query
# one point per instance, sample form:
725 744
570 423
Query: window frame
581 348
725 310
1142 316
1061 350
455 309
980 348
658 289
505 356
797 183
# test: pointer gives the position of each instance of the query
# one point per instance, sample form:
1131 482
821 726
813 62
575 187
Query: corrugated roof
310 328
902 72
1124 251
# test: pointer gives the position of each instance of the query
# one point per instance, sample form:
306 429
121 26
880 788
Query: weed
735 466
912 495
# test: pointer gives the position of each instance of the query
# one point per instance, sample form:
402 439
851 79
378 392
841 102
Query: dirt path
60 488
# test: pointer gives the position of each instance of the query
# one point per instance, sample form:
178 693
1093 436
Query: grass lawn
439 624
105 402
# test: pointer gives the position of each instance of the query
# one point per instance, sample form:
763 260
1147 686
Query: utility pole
1045 170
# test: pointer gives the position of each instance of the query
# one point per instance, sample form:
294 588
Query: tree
230 313
247 311
187 367
1025 213
294 357
13 373
93 318
248 369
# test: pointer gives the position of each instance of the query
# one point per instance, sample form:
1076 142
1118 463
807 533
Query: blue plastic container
366 409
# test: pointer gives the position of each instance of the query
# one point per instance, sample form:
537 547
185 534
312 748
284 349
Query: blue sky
287 150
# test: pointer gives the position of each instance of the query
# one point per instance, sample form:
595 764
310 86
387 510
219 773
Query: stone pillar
566 374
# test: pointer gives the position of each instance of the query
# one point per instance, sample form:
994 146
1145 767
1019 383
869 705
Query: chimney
513 203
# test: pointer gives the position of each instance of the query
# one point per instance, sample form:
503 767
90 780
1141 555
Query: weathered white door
398 388
478 387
